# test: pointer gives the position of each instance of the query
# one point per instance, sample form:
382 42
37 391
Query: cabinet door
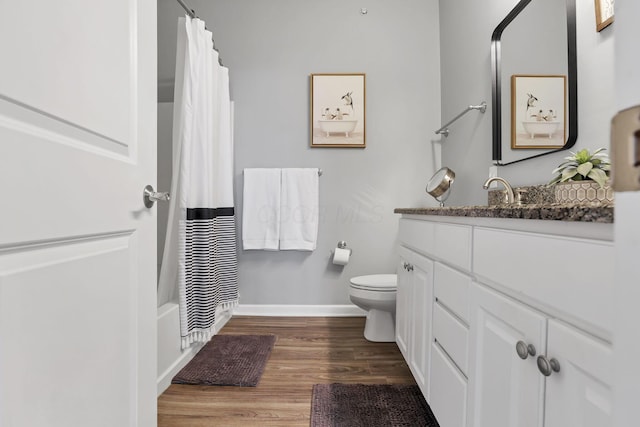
422 302
403 299
580 393
506 391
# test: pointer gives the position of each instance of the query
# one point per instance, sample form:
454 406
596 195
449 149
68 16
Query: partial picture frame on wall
338 110
604 13
538 111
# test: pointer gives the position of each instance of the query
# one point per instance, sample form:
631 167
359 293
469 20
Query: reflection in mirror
537 38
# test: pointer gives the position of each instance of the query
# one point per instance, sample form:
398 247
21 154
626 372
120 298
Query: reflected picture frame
538 111
604 13
338 110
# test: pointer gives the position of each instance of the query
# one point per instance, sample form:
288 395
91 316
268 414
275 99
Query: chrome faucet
507 186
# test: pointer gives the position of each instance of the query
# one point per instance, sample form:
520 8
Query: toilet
376 294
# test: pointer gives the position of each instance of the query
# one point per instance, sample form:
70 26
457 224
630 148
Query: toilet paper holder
343 245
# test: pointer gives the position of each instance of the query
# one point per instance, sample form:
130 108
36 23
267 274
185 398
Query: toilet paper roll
341 256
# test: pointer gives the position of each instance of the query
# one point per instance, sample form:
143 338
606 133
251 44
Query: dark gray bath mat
366 405
229 360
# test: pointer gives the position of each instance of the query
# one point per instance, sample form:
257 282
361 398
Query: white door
77 246
505 391
579 395
626 344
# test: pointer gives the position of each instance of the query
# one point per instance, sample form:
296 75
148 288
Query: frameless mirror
534 81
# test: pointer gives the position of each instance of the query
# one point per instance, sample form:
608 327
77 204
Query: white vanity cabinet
413 313
503 294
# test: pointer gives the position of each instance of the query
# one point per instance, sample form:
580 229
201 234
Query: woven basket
582 192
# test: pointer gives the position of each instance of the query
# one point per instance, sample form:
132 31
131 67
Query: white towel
299 209
261 209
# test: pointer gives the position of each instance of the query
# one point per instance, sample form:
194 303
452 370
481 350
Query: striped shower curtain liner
200 250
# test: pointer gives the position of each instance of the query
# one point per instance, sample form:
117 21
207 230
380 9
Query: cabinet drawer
451 289
453 245
448 242
419 235
452 335
448 390
552 270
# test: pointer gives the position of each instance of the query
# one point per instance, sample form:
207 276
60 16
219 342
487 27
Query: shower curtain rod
192 15
190 12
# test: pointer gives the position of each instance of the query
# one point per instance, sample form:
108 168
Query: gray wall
465 33
271 47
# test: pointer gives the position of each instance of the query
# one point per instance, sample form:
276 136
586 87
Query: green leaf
584 168
568 174
583 156
598 176
555 180
569 163
564 165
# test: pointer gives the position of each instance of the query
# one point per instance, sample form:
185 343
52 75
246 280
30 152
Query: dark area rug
365 405
237 360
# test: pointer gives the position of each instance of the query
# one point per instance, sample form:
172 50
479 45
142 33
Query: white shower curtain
200 258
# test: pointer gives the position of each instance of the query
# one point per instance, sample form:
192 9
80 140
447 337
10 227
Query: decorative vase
582 192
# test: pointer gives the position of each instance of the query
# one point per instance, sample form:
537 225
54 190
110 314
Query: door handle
150 196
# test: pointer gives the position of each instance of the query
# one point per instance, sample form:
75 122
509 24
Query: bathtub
337 126
171 358
540 128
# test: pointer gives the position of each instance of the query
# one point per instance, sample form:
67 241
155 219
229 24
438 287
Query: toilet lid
377 282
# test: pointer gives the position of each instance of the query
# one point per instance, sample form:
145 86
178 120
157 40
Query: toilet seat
376 282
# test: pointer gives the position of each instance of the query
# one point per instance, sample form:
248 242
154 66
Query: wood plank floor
308 350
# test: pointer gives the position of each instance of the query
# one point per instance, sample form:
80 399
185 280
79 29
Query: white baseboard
164 380
344 310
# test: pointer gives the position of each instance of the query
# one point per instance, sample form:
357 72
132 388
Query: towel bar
445 128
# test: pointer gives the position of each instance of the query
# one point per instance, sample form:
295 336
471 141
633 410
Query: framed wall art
538 111
338 110
604 13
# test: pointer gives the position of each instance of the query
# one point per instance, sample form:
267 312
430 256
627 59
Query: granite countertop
594 212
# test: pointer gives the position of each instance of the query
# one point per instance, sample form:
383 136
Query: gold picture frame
538 111
338 110
604 13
